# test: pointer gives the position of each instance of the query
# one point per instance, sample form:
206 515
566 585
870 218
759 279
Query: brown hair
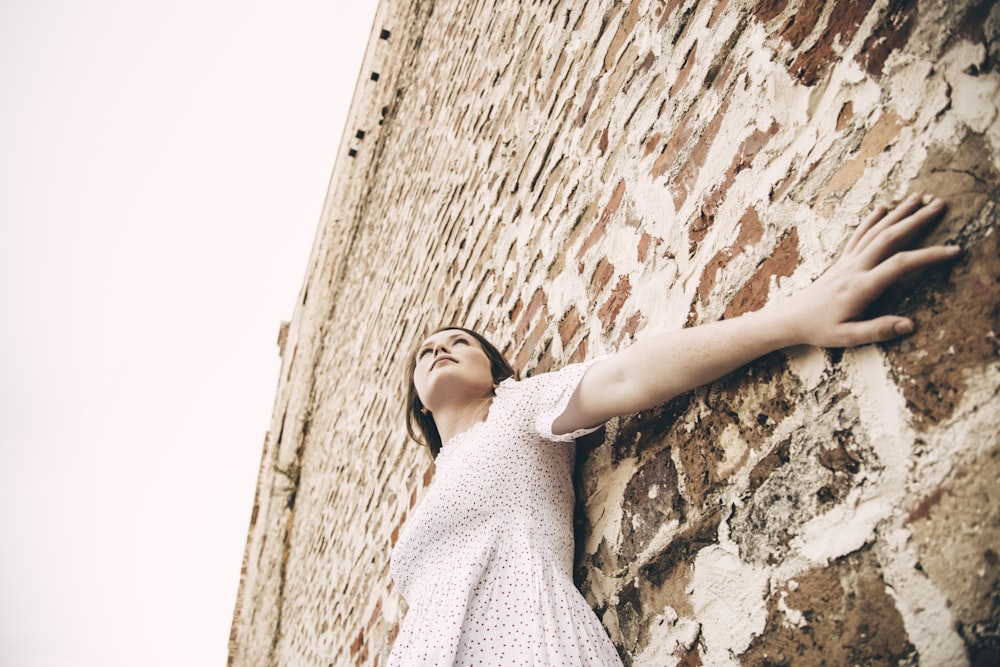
421 426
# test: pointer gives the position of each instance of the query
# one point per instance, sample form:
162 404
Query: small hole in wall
384 34
360 134
352 153
374 76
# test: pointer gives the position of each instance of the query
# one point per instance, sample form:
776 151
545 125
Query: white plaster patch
668 636
652 203
974 98
619 244
882 407
842 530
605 508
911 88
808 364
567 288
793 617
391 611
734 450
847 82
728 598
651 289
610 621
924 609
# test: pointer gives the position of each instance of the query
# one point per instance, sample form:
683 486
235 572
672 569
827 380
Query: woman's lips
440 359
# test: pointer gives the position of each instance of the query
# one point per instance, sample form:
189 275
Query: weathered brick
751 231
692 169
609 311
600 229
685 71
754 294
892 33
529 316
569 325
844 20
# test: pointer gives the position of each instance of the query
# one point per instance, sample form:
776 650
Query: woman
485 563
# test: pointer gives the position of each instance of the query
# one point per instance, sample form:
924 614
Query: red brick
602 274
890 34
581 117
685 71
530 347
516 310
753 295
357 643
609 311
769 9
580 353
642 248
846 17
597 233
673 146
375 614
395 531
625 28
555 79
569 325
717 12
630 327
688 175
651 144
668 12
538 300
845 115
751 230
546 363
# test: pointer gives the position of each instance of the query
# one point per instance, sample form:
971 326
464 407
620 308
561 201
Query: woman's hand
829 313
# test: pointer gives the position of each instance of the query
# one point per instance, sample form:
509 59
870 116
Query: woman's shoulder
549 384
538 400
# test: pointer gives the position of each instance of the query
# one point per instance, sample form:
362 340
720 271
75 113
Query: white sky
162 170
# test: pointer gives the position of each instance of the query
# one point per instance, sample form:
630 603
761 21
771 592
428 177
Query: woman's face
451 365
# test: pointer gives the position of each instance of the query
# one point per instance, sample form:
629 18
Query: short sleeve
547 396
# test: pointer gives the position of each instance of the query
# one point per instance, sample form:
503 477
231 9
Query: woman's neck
454 419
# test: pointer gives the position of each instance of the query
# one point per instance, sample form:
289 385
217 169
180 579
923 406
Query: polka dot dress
485 563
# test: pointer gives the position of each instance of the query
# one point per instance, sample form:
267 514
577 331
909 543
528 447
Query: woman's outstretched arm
828 313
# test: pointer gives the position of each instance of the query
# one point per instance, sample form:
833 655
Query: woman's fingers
886 239
875 228
900 264
863 228
877 330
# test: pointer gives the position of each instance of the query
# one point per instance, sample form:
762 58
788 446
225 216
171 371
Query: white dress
485 562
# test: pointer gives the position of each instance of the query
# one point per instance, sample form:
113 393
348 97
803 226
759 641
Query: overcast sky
162 170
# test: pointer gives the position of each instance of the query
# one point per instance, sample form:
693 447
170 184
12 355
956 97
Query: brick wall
567 176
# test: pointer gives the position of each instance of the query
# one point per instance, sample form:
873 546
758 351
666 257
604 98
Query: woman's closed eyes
424 351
